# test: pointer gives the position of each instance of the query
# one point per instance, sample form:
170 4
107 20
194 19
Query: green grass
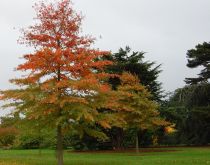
183 156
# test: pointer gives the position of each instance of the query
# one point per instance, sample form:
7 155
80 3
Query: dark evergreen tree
126 60
189 109
200 56
197 99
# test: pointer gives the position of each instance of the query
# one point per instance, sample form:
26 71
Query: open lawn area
163 156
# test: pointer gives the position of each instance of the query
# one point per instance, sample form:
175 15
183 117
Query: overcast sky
165 29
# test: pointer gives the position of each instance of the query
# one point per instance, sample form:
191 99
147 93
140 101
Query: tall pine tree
200 56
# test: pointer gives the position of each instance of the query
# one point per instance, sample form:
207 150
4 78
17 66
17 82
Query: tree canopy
189 109
126 60
64 85
199 56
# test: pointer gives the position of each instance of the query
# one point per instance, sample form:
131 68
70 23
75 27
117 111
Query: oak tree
64 83
138 109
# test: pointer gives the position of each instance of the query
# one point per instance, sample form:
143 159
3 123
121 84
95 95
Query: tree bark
117 138
59 146
59 129
137 142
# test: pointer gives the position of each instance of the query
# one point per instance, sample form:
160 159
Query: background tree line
118 138
187 108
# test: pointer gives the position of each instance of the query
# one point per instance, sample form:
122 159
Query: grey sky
165 29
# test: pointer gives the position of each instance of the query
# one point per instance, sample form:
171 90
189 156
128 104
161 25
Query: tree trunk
59 129
59 146
137 143
117 135
40 149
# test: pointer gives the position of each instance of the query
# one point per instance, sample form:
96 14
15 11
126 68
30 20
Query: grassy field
182 156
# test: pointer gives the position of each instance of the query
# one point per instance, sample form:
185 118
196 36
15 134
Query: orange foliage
170 129
65 72
4 131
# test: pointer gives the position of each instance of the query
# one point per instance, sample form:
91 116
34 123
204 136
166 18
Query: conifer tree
199 56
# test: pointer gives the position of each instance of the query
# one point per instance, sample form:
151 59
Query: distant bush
7 136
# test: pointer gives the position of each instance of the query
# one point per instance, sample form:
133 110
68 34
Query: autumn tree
126 60
139 110
64 83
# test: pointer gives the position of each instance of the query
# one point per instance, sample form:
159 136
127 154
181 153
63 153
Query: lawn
182 156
